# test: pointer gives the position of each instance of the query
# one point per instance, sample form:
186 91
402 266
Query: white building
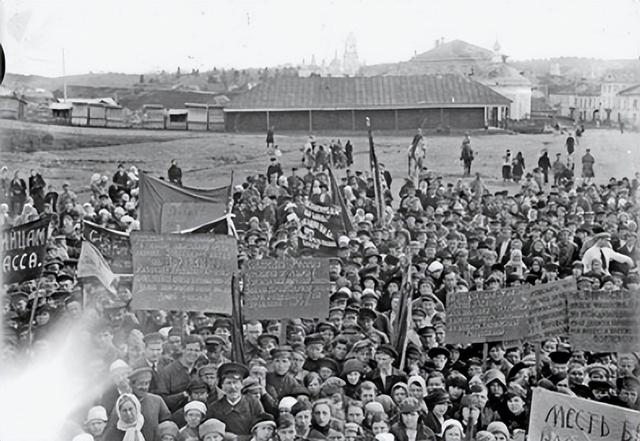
508 82
628 106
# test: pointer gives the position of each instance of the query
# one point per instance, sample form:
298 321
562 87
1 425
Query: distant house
392 103
629 106
11 105
61 112
89 111
577 101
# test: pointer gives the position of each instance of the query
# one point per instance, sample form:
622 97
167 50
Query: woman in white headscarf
130 420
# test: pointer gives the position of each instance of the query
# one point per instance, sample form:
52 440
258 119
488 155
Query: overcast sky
137 36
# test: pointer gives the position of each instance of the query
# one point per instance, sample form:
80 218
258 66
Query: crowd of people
170 374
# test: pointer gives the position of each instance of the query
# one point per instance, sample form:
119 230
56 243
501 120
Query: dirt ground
208 158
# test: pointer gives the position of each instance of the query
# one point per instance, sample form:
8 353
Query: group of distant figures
317 157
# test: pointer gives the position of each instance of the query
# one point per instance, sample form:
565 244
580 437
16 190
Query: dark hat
263 337
366 313
426 330
326 325
409 405
139 368
281 352
434 352
222 322
197 384
600 385
352 365
153 337
214 340
560 357
551 266
438 396
300 406
628 382
327 362
231 369
313 339
389 350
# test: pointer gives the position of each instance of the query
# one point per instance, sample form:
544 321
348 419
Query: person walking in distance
544 163
466 155
270 137
587 166
506 166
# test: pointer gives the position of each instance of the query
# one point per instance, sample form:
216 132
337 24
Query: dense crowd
170 374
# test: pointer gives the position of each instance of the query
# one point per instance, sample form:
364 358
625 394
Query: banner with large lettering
320 227
559 417
114 246
184 272
23 250
547 308
281 288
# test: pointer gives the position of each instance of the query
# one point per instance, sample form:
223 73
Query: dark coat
396 376
424 433
238 418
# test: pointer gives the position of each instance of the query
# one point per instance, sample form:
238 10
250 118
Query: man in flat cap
234 409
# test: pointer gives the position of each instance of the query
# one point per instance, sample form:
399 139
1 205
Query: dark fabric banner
167 208
23 250
319 230
114 246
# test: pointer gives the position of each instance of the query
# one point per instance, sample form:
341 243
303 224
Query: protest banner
559 417
158 197
485 316
114 246
23 251
604 321
178 216
319 229
284 288
186 272
547 308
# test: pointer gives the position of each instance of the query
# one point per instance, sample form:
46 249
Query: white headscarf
132 431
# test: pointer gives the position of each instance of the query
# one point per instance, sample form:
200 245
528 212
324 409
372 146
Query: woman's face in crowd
410 419
96 427
128 412
576 375
379 427
399 393
314 386
440 409
416 391
499 436
322 414
434 383
496 389
453 434
353 377
193 418
515 405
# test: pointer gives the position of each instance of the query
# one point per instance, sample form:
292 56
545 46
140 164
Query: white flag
92 264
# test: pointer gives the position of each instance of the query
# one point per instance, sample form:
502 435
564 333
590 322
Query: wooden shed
197 116
114 116
153 116
178 119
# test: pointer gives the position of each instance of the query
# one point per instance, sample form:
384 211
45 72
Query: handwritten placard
484 316
280 288
604 321
183 272
548 308
559 417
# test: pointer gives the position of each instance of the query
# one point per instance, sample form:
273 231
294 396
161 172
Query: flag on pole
92 264
402 322
375 171
337 197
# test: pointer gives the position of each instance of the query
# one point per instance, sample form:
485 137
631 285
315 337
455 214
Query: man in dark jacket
175 173
544 163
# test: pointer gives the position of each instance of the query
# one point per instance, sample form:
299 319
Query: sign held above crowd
559 417
186 272
23 251
285 288
114 246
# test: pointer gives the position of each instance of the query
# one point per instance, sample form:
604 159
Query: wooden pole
485 355
33 310
538 347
